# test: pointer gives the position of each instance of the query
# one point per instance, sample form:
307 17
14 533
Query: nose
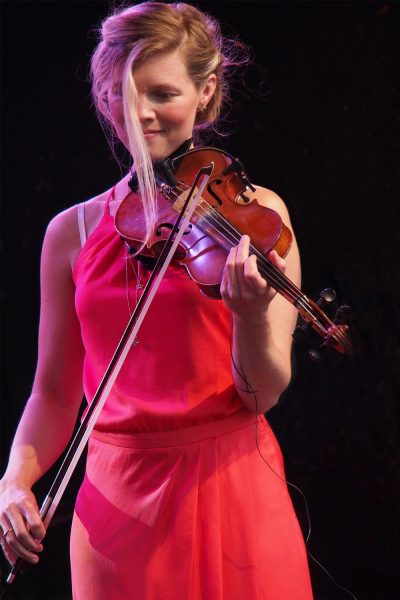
145 109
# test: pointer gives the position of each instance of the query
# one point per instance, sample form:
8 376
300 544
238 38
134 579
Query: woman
184 493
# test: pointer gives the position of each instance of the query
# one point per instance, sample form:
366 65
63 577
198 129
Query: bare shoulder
62 234
66 221
270 199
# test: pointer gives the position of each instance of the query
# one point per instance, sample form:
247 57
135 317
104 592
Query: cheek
118 122
180 117
117 119
117 114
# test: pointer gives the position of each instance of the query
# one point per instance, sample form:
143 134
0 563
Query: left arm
262 320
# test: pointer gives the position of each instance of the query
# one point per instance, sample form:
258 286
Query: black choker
162 168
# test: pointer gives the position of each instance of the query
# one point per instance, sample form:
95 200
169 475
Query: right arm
50 415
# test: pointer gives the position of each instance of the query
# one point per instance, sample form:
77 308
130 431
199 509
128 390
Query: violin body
204 247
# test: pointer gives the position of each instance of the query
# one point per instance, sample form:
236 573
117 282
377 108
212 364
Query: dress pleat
207 520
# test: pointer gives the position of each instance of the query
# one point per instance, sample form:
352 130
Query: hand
245 292
21 525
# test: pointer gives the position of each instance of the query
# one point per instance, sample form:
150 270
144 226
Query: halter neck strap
110 197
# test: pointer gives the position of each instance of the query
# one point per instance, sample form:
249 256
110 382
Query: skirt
201 513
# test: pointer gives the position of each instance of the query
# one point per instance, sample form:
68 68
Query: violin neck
309 310
277 279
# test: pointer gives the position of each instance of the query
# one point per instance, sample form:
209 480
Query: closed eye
164 96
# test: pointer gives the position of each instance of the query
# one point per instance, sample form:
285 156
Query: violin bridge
180 201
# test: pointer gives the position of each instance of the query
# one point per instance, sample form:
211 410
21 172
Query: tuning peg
326 297
300 332
342 315
315 355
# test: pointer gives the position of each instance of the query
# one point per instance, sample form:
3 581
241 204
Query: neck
159 164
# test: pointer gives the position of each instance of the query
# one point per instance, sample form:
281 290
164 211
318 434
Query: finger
8 553
224 287
229 275
277 260
5 524
243 248
35 524
5 528
237 268
252 276
12 548
21 527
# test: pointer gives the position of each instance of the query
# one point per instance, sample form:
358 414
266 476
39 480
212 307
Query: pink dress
176 503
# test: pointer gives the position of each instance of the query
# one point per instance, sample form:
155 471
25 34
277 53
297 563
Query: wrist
21 476
16 480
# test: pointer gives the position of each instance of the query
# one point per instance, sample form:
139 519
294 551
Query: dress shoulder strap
81 223
110 197
81 216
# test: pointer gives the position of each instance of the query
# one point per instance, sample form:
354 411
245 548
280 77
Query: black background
317 121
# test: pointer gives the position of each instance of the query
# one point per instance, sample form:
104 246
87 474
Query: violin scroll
334 332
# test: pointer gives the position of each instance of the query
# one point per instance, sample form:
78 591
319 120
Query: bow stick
78 444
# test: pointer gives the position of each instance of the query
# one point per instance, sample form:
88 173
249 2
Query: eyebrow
163 86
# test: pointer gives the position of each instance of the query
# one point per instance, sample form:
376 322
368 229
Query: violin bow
81 437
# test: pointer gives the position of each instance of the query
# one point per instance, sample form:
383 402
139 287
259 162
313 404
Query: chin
158 155
159 151
162 151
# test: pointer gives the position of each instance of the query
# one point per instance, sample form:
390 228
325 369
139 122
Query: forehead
162 68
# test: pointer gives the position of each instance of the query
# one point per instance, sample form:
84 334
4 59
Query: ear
208 89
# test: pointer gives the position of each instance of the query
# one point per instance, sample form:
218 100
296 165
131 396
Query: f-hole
211 191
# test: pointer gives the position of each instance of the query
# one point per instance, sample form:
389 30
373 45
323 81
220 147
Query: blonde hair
132 34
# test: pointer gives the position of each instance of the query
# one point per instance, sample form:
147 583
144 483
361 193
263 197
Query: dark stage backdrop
317 119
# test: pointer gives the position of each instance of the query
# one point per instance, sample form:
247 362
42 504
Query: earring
201 108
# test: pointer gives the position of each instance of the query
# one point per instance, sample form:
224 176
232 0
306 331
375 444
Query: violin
223 214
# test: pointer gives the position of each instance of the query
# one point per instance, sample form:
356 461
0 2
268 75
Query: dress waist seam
178 437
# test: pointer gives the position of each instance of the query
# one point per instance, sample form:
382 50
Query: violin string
275 276
232 236
270 272
337 334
